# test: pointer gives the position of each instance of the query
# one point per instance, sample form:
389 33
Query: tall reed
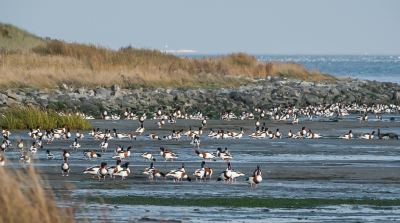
25 197
30 117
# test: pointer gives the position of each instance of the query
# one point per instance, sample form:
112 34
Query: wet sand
328 168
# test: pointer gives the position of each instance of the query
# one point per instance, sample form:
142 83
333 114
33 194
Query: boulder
14 96
89 107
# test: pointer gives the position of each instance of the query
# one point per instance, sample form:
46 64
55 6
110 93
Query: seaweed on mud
242 202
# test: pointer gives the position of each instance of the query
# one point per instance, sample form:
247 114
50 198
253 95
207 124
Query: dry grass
59 62
23 198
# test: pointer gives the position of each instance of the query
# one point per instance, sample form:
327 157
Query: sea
383 68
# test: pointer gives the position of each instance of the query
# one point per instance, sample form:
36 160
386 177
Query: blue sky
216 27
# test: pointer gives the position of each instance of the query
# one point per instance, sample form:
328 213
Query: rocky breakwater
264 93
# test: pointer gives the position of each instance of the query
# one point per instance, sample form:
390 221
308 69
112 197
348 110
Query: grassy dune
14 39
23 198
242 202
50 63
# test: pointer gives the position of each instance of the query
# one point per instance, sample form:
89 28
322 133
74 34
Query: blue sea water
383 68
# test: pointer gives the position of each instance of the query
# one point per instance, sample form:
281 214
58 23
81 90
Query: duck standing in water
256 179
49 155
65 167
102 172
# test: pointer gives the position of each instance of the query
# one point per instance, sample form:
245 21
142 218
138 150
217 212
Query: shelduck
199 132
120 135
55 135
226 175
6 133
363 119
148 169
20 145
155 173
123 155
132 136
104 145
347 136
65 167
223 155
60 130
257 169
254 179
239 134
79 135
291 135
203 172
179 176
148 156
67 134
204 123
167 154
311 135
278 134
176 135
118 149
3 146
102 172
295 119
25 157
367 136
123 173
205 155
196 141
92 133
257 123
93 170
91 154
49 155
171 120
66 154
181 169
75 145
153 136
235 174
275 117
140 129
302 133
160 123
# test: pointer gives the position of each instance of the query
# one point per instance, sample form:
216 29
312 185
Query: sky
216 27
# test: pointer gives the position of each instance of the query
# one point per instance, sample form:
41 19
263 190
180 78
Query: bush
29 117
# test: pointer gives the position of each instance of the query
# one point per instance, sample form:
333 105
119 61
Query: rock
116 87
103 92
89 107
14 96
335 91
91 93
10 102
81 90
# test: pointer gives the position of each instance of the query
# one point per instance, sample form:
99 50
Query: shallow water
327 168
149 213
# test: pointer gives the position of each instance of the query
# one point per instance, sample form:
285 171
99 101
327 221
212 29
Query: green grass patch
29 117
241 202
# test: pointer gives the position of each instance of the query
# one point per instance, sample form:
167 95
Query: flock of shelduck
229 175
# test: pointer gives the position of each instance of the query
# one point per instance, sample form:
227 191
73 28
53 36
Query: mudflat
325 168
